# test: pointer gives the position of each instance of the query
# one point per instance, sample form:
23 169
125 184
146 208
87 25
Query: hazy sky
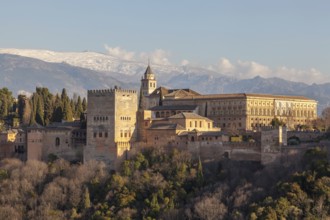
286 38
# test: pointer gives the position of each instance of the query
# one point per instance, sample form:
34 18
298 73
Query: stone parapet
99 92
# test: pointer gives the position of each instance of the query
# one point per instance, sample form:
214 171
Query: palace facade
242 111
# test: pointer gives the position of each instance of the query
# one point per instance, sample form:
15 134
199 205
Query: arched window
57 142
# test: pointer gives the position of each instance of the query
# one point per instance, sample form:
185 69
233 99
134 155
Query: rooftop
188 115
166 126
174 107
245 95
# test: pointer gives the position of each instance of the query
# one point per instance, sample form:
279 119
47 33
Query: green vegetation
157 184
42 107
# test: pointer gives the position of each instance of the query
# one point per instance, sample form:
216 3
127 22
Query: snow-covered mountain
129 71
93 61
78 72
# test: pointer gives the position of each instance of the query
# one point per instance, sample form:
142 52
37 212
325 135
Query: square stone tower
111 124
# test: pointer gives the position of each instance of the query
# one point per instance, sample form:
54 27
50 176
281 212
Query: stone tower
148 86
148 82
111 124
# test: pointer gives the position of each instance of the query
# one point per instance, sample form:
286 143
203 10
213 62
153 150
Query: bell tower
148 82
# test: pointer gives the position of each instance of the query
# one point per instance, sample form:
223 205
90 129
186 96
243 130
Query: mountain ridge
78 79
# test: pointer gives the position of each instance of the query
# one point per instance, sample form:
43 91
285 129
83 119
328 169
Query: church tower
148 82
148 86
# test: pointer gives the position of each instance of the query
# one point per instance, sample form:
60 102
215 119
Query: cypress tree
26 118
39 111
67 111
87 201
64 96
21 106
79 108
58 110
84 104
200 176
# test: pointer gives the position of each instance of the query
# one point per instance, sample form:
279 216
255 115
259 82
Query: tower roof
148 73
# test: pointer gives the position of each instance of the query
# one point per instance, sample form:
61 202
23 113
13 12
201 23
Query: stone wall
111 118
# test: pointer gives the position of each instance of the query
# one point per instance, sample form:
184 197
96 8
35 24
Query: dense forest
41 107
158 184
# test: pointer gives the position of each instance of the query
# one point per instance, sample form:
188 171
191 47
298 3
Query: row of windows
228 112
255 111
234 125
225 108
145 84
227 103
270 119
124 118
100 134
229 119
294 113
260 103
101 118
125 134
79 134
198 124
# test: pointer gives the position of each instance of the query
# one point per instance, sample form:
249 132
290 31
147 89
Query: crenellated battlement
110 91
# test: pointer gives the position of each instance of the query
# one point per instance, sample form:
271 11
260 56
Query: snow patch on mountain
100 62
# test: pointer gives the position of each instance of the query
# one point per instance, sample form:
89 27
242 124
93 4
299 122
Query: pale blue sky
284 33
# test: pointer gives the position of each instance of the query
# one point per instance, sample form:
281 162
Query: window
200 124
94 134
106 134
57 142
100 134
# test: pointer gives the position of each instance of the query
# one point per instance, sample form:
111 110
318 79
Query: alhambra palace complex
121 122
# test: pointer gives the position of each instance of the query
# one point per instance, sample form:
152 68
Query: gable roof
174 107
166 126
188 115
164 91
180 93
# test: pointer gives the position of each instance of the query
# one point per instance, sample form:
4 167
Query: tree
58 110
78 108
47 99
200 177
84 104
87 200
6 102
67 111
39 111
64 96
